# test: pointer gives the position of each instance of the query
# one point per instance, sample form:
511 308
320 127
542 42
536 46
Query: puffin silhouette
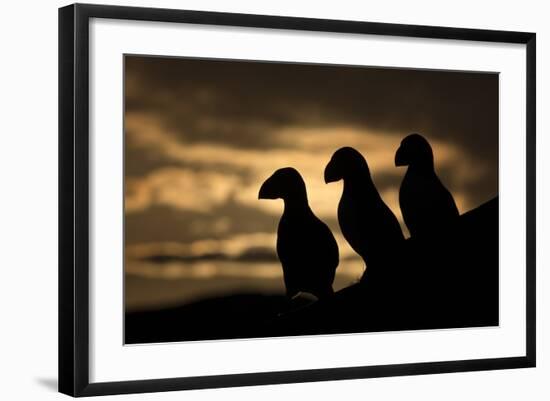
367 223
428 207
305 245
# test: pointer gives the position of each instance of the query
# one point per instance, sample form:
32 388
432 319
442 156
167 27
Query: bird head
285 183
414 151
344 163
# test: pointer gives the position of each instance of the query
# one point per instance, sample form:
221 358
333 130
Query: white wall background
28 202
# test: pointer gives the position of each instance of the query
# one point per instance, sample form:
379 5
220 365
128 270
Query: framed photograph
250 199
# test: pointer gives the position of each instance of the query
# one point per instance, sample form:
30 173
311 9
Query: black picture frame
74 198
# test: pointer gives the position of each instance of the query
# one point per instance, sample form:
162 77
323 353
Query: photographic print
267 199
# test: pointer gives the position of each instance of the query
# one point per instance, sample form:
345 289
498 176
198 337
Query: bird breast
368 224
351 218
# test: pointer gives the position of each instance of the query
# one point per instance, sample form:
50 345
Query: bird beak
267 191
401 157
331 173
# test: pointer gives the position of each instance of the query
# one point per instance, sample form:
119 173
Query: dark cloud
169 224
241 103
141 160
251 255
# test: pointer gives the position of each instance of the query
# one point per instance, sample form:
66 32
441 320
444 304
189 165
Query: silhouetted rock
224 317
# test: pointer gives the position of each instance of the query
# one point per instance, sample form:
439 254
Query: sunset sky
202 135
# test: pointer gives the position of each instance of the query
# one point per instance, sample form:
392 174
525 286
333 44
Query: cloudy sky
202 135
